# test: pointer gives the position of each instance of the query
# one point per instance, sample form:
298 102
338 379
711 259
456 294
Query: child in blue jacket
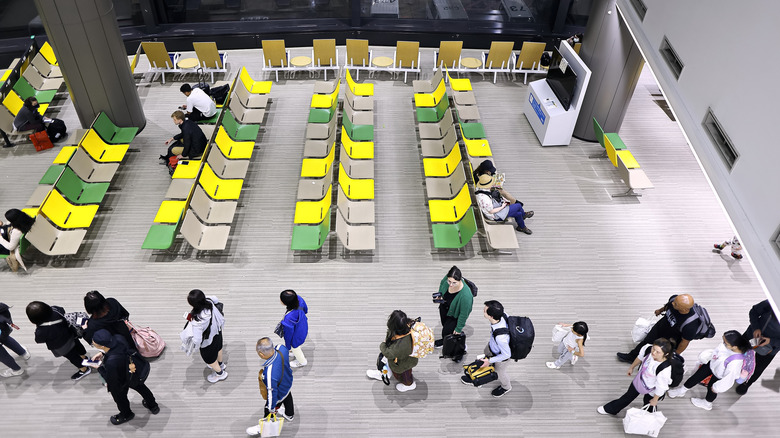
294 325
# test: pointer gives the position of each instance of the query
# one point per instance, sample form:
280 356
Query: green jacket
461 306
399 349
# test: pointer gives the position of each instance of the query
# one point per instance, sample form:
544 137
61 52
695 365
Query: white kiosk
552 124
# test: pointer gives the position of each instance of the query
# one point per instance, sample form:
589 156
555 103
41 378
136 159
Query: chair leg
601 155
629 192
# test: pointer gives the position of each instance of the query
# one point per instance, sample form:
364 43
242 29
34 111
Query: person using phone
496 207
105 313
764 330
189 143
52 329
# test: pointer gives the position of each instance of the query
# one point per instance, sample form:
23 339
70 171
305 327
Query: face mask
37 105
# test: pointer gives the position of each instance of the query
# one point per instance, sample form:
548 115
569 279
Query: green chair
323 115
613 138
78 191
110 133
25 90
160 236
457 235
472 131
310 237
358 132
211 120
52 173
237 131
433 115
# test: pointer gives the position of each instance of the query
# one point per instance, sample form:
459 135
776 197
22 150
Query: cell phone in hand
91 363
81 321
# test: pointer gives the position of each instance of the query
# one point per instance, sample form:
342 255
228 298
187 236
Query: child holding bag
572 343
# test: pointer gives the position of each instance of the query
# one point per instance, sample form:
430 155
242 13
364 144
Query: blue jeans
6 358
516 211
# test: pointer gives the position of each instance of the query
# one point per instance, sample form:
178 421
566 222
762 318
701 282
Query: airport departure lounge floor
591 257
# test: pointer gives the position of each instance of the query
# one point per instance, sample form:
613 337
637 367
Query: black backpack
705 328
677 363
471 285
220 94
142 368
521 335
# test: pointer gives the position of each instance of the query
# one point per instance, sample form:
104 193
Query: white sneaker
601 410
254 430
552 365
296 364
702 403
374 374
26 355
223 367
403 388
677 392
11 373
214 377
574 359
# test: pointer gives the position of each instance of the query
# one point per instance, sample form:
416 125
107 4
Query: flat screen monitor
561 79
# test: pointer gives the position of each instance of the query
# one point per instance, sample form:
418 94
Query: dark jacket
192 138
113 321
399 350
115 368
5 322
763 318
296 325
54 335
29 119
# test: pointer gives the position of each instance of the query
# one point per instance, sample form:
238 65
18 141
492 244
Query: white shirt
485 203
726 375
200 100
571 340
659 382
499 343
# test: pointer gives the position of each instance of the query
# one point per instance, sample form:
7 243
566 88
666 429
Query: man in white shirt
497 351
200 105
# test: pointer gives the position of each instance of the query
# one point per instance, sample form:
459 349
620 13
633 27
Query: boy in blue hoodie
294 326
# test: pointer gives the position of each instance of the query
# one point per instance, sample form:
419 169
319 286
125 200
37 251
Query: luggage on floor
480 376
454 346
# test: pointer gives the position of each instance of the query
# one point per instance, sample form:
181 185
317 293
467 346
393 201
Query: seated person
189 144
201 106
496 207
487 168
28 118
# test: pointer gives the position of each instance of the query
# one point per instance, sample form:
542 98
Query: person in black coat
189 144
765 329
28 117
6 327
105 313
52 329
121 374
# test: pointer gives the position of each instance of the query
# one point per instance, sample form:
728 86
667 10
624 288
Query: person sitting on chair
496 207
189 144
199 103
29 119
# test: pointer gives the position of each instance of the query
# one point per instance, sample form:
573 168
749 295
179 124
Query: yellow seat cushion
628 159
169 212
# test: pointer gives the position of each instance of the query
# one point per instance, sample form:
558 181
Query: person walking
207 323
397 350
275 379
6 327
497 351
572 346
736 247
105 313
723 368
19 224
455 307
52 329
673 325
652 379
121 375
294 326
764 329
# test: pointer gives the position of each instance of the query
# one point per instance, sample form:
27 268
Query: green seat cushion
455 236
111 133
311 237
237 131
616 141
211 120
25 90
427 115
160 236
473 130
52 173
320 115
78 191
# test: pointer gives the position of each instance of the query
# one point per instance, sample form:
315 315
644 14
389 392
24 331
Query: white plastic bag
188 340
643 422
559 332
642 327
271 426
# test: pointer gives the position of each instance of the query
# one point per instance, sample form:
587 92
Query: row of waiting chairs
71 190
202 199
209 59
619 155
501 58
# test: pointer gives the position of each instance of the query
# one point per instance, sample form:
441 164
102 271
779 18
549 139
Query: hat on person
486 166
105 338
485 181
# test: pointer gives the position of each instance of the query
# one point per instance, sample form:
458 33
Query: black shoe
8 145
457 359
116 420
438 343
625 357
155 410
528 214
525 230
499 392
466 380
80 374
742 388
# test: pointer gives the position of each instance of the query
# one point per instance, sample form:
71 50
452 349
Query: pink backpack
748 365
147 341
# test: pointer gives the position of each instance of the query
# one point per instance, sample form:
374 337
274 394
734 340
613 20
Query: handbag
271 425
643 422
454 346
41 141
72 319
642 327
279 330
559 332
381 365
188 339
147 341
764 349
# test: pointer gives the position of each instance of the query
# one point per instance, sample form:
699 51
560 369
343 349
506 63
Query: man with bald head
672 326
275 381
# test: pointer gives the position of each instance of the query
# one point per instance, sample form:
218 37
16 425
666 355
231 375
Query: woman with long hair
19 224
207 322
397 350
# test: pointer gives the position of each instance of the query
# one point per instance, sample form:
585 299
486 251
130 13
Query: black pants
75 353
661 329
196 115
700 375
289 409
761 361
615 406
120 398
8 143
448 323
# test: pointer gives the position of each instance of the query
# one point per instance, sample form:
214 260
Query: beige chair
314 189
209 58
529 60
160 61
428 86
407 58
442 147
326 87
358 56
467 112
448 55
246 115
39 82
89 170
226 168
359 117
355 212
180 188
325 57
319 148
210 210
358 103
321 131
202 236
52 241
46 69
498 59
247 99
276 57
446 187
499 235
355 237
360 169
436 130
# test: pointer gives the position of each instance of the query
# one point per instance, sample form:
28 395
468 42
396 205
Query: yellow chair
209 58
430 100
14 103
325 56
529 60
358 56
359 150
234 150
318 167
65 153
450 210
359 89
218 188
458 84
253 86
440 167
355 188
101 151
407 57
187 169
498 58
169 212
611 149
66 215
313 212
628 159
448 54
160 60
48 52
275 57
478 147
326 100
